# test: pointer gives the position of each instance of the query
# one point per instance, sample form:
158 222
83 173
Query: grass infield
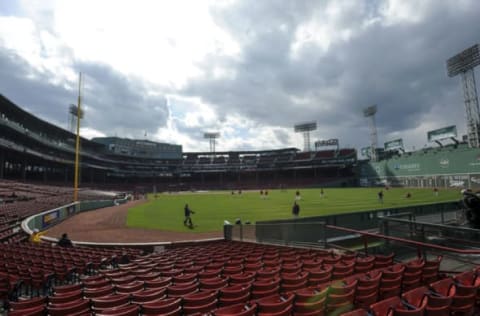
165 211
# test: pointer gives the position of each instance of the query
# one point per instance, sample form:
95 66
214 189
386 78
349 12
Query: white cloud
19 35
401 11
337 21
158 40
90 133
248 69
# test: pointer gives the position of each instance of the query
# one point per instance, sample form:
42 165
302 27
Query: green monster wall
452 166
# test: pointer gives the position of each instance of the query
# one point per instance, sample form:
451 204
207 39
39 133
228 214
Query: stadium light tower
370 112
73 114
464 64
211 136
305 128
77 142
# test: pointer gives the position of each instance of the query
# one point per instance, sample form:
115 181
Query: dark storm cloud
114 104
400 67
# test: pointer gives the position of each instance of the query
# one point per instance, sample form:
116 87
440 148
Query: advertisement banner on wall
50 218
71 210
475 181
366 151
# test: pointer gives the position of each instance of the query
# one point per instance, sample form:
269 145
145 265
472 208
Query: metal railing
319 234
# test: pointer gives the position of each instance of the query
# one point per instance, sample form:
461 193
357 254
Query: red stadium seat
414 302
66 309
241 278
98 292
275 303
66 297
146 296
31 311
440 297
204 308
128 310
381 261
200 298
357 312
158 283
131 287
181 290
27 304
110 301
237 310
67 288
166 306
385 307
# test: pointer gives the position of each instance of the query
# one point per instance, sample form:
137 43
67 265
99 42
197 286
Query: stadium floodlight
370 112
73 113
77 142
464 64
211 136
464 61
305 128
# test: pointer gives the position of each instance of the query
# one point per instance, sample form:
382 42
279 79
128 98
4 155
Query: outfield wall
47 219
452 166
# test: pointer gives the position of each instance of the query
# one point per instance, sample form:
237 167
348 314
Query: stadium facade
139 148
33 149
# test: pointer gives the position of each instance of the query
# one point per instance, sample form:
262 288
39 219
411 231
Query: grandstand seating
283 158
345 152
204 160
233 159
234 278
190 160
20 200
266 160
219 160
324 154
249 159
303 156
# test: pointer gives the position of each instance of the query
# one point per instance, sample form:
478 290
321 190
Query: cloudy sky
248 69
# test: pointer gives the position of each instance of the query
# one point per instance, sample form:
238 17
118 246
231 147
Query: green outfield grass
211 208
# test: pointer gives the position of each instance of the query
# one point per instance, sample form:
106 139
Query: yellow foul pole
77 143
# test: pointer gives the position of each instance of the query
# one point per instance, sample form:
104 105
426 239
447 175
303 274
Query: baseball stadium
118 226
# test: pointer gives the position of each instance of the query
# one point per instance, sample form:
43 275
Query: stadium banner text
394 144
50 218
366 151
442 133
327 142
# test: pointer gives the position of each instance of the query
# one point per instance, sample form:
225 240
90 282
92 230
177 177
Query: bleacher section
34 150
347 152
233 159
324 154
283 158
235 278
303 156
21 200
205 160
219 160
190 160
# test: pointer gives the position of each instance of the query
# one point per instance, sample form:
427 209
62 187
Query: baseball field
166 211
